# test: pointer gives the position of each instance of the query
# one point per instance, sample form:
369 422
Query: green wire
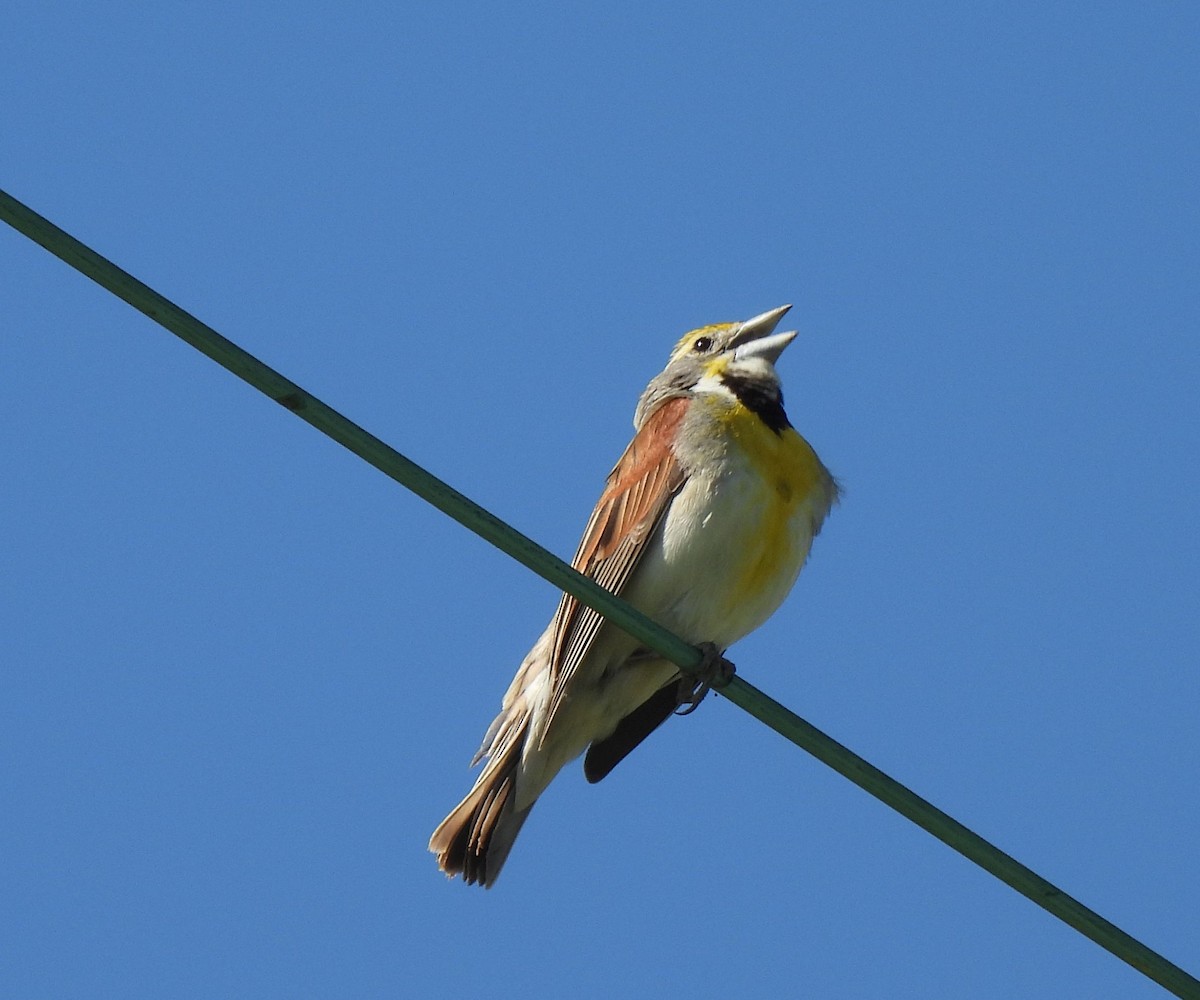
526 551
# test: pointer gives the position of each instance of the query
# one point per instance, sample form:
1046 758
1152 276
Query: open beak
757 339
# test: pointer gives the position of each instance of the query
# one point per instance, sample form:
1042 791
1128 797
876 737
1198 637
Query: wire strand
526 551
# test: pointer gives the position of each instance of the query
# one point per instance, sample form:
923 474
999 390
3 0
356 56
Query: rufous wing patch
638 491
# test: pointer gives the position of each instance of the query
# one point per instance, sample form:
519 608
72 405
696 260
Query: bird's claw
714 672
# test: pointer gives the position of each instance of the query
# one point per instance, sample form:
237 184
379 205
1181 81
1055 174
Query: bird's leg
714 672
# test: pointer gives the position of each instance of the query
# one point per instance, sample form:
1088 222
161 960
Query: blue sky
244 672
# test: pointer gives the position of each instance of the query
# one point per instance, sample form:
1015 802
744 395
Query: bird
704 525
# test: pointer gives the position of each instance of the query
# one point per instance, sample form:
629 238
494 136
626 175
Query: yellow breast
788 494
735 537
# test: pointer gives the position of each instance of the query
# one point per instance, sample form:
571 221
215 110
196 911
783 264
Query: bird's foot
714 672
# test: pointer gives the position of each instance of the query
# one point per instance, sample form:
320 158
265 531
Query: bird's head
724 357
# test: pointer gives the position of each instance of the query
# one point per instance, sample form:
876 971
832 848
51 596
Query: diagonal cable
526 551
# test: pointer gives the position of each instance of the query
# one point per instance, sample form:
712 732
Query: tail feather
474 840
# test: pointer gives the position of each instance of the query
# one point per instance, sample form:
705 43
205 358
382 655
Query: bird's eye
702 344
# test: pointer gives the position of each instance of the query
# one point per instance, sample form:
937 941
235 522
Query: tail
474 840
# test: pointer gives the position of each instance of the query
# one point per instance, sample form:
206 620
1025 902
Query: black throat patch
764 400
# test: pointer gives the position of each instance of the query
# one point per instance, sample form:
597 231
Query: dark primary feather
605 754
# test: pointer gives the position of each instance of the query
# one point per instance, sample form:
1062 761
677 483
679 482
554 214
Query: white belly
724 558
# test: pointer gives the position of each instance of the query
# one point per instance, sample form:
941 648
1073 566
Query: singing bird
703 525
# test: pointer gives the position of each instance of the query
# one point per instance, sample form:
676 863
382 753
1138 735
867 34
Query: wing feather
639 489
